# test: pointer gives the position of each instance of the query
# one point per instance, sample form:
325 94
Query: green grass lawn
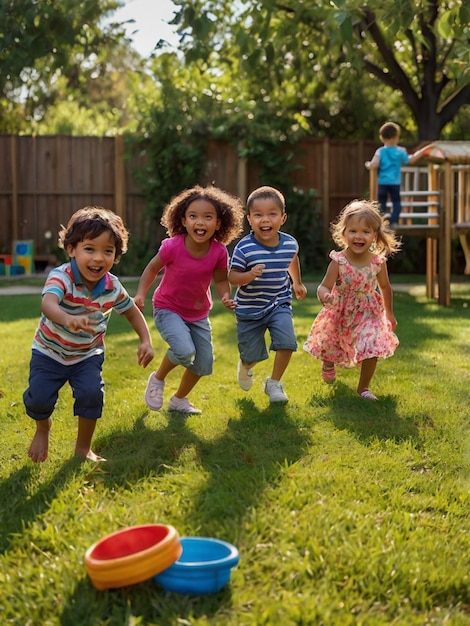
345 512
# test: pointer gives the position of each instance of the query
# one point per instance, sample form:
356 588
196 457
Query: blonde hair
387 242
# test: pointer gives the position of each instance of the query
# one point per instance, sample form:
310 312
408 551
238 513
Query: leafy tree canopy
65 52
335 55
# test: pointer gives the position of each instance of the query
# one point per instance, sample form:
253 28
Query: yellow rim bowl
132 555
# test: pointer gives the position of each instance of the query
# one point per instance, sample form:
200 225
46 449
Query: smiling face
266 218
201 221
94 257
359 235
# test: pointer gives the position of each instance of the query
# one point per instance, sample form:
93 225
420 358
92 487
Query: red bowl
132 555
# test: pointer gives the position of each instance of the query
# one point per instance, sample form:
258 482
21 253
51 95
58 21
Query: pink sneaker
182 405
154 392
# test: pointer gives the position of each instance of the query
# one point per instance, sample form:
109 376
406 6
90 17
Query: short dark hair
264 193
90 222
389 130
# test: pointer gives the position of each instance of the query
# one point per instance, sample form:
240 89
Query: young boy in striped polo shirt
265 268
77 300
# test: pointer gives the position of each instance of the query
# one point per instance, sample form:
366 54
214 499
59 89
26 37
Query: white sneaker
275 391
182 405
245 377
154 393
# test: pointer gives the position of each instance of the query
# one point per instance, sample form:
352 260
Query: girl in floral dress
355 325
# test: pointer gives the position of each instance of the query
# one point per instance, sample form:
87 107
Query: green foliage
174 138
345 512
418 50
61 52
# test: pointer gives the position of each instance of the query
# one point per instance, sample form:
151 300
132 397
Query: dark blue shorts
47 377
251 334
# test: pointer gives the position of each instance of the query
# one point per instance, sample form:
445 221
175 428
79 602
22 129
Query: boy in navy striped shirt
265 268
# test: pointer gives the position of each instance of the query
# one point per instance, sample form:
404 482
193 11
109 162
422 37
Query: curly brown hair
89 223
387 242
229 211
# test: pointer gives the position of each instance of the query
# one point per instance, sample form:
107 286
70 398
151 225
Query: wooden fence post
325 192
242 184
119 178
445 237
14 186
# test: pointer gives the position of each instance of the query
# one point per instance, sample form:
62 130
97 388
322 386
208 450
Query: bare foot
39 448
90 455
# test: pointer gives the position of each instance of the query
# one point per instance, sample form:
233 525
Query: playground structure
436 206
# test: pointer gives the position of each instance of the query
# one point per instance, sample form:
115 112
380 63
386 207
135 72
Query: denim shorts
251 333
190 343
47 377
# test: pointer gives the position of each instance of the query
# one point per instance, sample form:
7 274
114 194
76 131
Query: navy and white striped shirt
273 287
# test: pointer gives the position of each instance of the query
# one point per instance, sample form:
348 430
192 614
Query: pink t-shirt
185 286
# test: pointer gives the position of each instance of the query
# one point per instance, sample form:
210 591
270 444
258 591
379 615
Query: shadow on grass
22 502
237 467
116 607
369 420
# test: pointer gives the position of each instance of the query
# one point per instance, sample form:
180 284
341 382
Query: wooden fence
43 180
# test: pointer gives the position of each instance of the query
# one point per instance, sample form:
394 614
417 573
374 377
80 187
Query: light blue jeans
190 343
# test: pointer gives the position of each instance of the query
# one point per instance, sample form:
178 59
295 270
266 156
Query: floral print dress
353 326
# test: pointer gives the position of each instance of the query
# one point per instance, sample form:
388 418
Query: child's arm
138 323
374 163
387 294
53 311
237 277
294 270
327 284
148 276
419 154
222 286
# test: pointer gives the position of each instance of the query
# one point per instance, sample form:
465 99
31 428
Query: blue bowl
204 566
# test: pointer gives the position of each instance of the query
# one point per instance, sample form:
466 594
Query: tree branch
398 79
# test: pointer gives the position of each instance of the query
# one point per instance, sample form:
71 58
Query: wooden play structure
436 206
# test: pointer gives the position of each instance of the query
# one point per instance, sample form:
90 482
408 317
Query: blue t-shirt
391 159
273 287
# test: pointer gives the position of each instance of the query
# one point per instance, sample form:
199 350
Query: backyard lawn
345 512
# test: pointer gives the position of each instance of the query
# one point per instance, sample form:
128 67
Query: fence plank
45 179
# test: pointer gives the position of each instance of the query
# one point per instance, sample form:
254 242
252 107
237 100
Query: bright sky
151 17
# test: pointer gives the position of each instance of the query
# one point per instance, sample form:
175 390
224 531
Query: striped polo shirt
273 287
59 342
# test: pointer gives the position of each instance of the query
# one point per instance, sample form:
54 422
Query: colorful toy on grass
132 555
191 565
204 567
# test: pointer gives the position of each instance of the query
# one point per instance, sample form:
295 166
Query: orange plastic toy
132 555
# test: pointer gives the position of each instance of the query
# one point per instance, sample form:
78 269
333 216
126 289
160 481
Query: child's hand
327 297
391 318
80 322
300 290
139 302
257 270
144 354
228 302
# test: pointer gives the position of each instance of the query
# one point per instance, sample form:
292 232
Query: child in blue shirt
389 160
